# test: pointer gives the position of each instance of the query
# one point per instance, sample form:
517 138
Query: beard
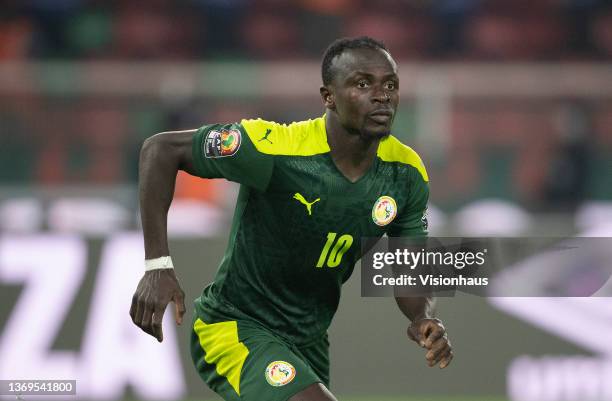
366 132
375 134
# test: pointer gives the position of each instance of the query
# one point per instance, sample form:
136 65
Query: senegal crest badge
384 210
279 373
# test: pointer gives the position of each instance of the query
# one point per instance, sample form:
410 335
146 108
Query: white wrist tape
165 262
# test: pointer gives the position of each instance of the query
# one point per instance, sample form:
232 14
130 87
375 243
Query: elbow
156 145
152 143
166 148
152 150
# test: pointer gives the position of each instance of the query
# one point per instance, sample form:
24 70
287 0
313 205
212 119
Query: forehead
372 61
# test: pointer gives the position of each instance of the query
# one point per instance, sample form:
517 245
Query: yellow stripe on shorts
220 342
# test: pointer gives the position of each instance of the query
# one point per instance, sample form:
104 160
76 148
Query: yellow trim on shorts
303 138
222 347
392 150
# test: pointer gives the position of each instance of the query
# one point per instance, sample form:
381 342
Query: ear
328 98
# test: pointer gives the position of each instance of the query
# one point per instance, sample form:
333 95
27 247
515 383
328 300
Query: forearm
161 157
416 308
156 179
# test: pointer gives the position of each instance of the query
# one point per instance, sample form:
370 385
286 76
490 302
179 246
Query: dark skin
161 157
365 85
361 102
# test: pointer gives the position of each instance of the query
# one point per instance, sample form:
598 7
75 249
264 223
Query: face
364 92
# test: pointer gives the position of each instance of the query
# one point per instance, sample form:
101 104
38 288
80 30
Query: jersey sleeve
412 221
227 151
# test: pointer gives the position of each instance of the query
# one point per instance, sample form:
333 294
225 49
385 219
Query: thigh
242 362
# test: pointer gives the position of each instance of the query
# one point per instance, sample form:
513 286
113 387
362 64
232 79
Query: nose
381 96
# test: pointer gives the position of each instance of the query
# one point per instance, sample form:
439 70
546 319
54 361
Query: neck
352 152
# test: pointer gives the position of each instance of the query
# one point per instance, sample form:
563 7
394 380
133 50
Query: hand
155 290
430 334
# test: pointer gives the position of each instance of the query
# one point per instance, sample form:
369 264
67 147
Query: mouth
382 116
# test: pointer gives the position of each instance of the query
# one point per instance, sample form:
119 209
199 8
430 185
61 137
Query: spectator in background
601 35
272 32
451 17
410 33
150 33
15 36
567 178
218 33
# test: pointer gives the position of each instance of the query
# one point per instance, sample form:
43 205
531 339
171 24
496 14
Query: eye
390 85
362 84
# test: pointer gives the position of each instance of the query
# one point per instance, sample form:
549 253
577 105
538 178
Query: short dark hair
339 46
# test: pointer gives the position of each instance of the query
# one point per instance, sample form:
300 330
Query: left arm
425 329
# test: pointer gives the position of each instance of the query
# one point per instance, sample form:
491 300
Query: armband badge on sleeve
222 143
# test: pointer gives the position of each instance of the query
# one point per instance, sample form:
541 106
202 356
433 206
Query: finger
435 331
147 317
441 355
447 360
413 334
440 349
140 308
156 325
436 348
133 308
179 307
418 331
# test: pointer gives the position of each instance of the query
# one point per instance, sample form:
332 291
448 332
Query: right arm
214 151
161 157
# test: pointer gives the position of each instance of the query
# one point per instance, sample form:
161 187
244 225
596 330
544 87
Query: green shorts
240 360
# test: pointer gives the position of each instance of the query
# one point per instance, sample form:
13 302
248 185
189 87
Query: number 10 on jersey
338 249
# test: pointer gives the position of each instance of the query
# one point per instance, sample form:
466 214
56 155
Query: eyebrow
367 74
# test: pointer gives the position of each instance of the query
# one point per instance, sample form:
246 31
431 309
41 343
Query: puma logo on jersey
265 137
303 201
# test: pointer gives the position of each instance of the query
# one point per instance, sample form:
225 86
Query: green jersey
298 223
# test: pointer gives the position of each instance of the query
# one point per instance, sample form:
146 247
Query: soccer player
309 192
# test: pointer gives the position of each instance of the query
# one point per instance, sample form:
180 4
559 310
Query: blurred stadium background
509 102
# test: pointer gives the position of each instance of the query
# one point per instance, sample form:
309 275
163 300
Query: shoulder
302 138
393 151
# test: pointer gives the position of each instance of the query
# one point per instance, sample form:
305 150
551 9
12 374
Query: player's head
360 85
